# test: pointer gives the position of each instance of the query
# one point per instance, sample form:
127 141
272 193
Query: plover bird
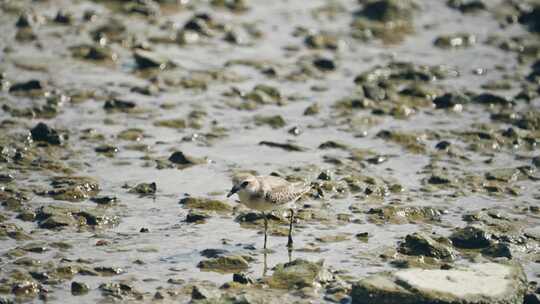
268 193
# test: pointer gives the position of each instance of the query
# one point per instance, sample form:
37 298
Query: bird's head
244 183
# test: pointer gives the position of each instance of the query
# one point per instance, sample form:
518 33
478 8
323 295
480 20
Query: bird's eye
244 184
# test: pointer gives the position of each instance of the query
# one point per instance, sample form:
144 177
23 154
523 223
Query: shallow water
171 247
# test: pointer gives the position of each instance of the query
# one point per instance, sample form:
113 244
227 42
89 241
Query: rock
225 264
498 250
471 237
104 200
531 298
205 204
467 6
179 158
500 284
324 64
44 133
299 274
26 288
402 215
119 105
284 146
531 17
196 217
201 293
144 188
460 40
488 98
422 244
330 144
388 10
275 121
443 145
177 123
57 221
147 59
213 253
451 101
242 278
313 109
78 288
30 85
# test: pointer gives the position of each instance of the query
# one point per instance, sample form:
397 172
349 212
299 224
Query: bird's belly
256 203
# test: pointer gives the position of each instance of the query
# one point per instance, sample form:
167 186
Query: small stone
196 217
324 64
144 188
498 250
422 244
26 86
242 278
144 230
442 145
202 293
118 105
297 131
42 132
179 158
104 200
225 264
79 288
471 237
299 274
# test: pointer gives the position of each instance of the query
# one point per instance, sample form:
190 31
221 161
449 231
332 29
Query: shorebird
268 193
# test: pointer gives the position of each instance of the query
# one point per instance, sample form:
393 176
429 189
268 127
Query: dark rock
422 244
450 100
498 250
202 293
63 17
42 132
78 288
467 6
531 18
284 146
106 149
471 237
26 86
147 59
242 278
196 217
104 200
6 178
179 158
488 98
388 10
144 188
324 64
531 298
119 105
442 145
460 40
213 253
333 145
295 131
439 180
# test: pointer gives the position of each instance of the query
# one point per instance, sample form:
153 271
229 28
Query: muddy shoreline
420 121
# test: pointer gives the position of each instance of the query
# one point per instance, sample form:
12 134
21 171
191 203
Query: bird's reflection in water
265 260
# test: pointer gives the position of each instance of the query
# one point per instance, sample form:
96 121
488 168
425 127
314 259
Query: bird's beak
233 191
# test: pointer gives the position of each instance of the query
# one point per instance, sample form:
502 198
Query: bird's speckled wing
284 193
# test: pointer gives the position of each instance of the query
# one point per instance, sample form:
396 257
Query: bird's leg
290 241
265 229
